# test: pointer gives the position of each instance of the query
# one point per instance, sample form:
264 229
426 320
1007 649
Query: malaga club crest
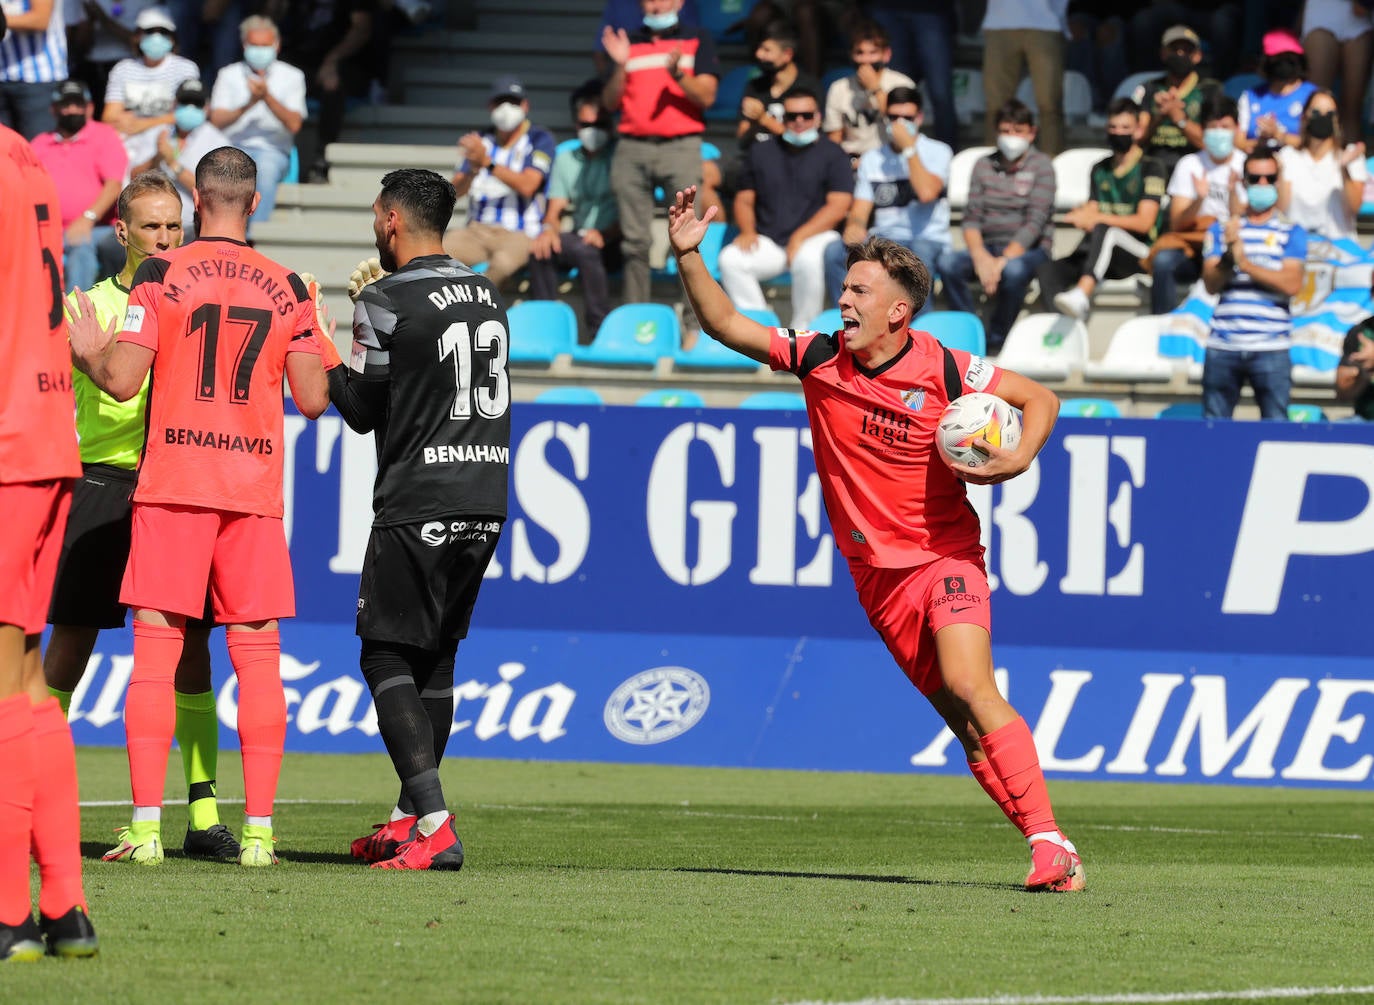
657 705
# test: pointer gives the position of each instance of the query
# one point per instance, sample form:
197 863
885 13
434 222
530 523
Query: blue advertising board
1172 601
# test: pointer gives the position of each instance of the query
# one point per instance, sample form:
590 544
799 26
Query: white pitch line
1137 998
97 803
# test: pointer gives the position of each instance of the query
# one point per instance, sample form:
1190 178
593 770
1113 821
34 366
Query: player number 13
493 396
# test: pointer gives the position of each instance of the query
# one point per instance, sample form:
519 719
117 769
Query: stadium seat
1126 89
719 16
1310 376
710 252
1096 408
1240 83
730 93
955 330
1073 176
783 401
961 174
672 397
1077 99
541 331
1306 413
569 394
293 168
1181 410
1367 207
633 335
762 315
969 101
827 321
1045 346
571 144
1133 354
832 75
708 354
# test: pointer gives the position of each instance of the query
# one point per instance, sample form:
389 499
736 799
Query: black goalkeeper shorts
420 580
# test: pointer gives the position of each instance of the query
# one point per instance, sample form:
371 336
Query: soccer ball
972 417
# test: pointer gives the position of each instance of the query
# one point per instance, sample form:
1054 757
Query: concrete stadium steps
547 17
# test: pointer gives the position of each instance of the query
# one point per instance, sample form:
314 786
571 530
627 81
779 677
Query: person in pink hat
1272 111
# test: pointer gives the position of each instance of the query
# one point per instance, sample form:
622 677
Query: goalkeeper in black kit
427 375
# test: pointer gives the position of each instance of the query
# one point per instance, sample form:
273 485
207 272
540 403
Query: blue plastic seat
1181 410
293 168
719 16
541 330
763 316
730 93
672 397
1305 413
827 321
955 330
633 335
1240 83
569 394
1097 408
783 401
708 354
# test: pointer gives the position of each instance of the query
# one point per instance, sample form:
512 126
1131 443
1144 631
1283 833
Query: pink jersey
893 503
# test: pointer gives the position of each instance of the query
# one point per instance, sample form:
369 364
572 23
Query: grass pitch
599 883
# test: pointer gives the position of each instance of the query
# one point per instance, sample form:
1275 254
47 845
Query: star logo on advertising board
657 705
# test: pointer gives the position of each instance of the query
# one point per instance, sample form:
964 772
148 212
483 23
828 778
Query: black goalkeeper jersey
436 333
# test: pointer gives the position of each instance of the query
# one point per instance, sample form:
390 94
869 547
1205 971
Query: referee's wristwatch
90 215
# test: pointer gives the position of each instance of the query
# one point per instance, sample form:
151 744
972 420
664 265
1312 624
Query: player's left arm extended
117 368
1039 409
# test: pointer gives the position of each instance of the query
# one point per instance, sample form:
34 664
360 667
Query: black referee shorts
420 580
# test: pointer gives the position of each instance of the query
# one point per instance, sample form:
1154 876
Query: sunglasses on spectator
798 116
1260 179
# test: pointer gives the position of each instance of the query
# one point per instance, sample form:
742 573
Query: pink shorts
908 606
30 543
176 551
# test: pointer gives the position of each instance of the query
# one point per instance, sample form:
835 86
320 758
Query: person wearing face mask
1338 39
1119 221
760 110
1323 179
855 104
33 59
180 147
259 103
1255 261
140 97
503 173
1201 191
628 16
793 193
87 163
1170 105
580 186
1008 226
1272 111
902 185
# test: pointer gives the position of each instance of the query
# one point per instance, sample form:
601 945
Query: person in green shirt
95 547
1119 221
1171 105
1353 383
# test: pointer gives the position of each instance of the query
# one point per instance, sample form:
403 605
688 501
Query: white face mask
1012 147
506 116
592 138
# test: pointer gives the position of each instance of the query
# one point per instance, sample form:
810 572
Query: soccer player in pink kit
874 393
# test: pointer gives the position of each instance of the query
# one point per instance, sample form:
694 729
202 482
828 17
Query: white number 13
457 342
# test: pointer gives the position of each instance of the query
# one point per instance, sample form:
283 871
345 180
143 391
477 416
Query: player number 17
493 396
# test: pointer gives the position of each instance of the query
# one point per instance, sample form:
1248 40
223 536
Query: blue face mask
1262 197
1220 143
188 117
259 57
155 46
660 22
803 139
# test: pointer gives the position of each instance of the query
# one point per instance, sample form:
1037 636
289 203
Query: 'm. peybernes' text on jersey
437 333
221 318
893 503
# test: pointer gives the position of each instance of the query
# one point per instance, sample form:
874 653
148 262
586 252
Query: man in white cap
140 98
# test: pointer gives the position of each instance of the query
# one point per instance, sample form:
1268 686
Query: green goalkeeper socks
197 733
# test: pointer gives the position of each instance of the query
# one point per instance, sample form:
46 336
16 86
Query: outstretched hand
1001 465
89 338
685 228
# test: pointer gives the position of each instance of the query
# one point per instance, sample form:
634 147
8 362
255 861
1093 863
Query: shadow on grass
852 877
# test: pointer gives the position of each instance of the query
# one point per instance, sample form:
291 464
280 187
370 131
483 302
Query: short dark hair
899 262
868 30
226 179
1122 106
905 96
1217 104
425 198
586 93
800 91
147 183
779 31
1017 112
1264 151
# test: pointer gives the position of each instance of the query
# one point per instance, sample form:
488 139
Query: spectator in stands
793 192
1018 36
503 173
328 40
1323 179
902 186
209 34
33 58
1338 39
664 78
1119 221
141 93
87 162
922 39
181 145
1171 105
1219 23
760 110
1353 382
628 16
260 104
1272 112
856 103
1008 225
1201 191
580 185
814 20
1255 262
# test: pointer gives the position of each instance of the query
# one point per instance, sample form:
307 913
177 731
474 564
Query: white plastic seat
1133 355
1073 176
961 175
1045 346
969 101
1077 98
